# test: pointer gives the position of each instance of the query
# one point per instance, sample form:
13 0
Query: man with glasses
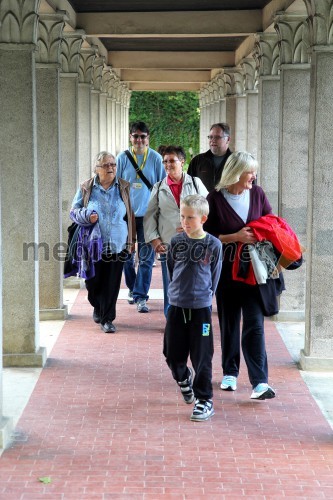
208 166
149 162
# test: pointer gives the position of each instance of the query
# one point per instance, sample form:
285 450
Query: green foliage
172 118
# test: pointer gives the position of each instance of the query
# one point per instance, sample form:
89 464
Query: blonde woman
235 202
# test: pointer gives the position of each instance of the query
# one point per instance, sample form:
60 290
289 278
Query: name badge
136 185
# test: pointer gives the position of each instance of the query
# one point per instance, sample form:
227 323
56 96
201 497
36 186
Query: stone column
204 127
211 106
231 104
113 93
293 155
118 118
126 128
251 83
50 29
70 58
240 130
109 122
318 350
123 117
216 102
6 424
87 57
95 106
222 102
208 122
19 199
201 125
102 121
267 59
106 76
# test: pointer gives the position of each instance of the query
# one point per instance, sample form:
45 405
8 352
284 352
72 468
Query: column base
312 363
6 428
53 314
73 282
35 359
289 316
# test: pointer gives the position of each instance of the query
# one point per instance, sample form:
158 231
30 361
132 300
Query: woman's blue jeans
139 282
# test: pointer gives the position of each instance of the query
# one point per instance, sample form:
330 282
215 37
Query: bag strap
158 191
195 184
138 171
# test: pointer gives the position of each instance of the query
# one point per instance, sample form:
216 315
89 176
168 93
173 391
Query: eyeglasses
141 136
165 162
216 137
107 165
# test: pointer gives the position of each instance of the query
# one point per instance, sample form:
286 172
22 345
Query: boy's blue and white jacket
194 267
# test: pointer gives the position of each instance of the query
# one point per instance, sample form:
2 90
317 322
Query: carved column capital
18 22
87 57
113 87
293 35
320 21
50 28
221 85
105 80
98 66
266 53
216 93
70 50
118 93
127 98
249 68
210 93
123 96
234 79
205 95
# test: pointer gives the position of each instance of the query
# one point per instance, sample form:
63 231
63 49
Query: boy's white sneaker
203 410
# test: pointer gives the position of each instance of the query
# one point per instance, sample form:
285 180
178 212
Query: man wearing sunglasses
208 166
140 157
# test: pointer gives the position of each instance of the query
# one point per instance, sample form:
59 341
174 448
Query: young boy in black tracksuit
194 263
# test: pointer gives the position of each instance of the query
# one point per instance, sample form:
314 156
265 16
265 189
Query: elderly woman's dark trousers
233 303
103 289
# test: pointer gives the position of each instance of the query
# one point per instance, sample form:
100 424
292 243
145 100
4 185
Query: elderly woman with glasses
102 209
162 219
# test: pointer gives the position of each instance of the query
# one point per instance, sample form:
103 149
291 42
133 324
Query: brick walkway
106 421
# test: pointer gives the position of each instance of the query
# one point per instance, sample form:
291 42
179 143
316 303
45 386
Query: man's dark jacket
203 166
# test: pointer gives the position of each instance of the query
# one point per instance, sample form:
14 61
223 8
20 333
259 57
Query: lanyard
144 160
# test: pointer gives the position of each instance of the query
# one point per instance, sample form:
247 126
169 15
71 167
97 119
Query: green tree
172 118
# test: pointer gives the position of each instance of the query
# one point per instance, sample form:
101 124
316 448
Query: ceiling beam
164 86
130 75
228 22
170 60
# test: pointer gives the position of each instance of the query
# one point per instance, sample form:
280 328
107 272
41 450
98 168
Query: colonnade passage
61 103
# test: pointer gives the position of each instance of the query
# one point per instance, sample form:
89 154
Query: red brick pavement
106 421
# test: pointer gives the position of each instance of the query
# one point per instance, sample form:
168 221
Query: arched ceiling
171 45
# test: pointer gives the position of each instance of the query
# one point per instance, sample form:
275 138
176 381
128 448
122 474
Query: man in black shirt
208 166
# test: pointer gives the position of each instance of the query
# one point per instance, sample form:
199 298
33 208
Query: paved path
106 421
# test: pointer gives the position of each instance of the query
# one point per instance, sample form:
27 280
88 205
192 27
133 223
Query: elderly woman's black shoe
96 317
108 327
